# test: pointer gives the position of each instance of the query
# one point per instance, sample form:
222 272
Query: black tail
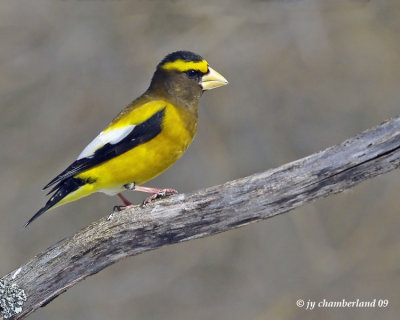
39 213
61 190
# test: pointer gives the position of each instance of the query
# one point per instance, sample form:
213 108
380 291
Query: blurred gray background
304 75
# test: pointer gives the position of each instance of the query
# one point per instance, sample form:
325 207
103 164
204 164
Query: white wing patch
112 136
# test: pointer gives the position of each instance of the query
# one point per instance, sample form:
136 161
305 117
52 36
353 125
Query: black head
181 77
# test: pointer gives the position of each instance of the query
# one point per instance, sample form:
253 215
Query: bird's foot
127 204
155 192
120 208
159 193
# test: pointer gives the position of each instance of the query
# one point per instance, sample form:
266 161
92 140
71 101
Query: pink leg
155 193
125 201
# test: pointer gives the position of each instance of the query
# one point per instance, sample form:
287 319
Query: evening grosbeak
144 139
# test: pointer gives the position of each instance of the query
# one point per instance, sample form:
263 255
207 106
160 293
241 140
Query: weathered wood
203 213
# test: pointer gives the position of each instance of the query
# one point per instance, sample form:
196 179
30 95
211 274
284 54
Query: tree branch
206 212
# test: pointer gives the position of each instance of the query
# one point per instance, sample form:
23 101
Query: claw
118 208
160 194
155 194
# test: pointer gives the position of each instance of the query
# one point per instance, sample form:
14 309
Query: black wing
141 133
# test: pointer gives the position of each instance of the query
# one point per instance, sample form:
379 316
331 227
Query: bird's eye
192 73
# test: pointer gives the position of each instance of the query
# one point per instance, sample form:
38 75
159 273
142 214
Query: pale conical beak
212 79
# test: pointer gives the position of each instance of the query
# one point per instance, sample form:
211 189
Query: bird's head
184 75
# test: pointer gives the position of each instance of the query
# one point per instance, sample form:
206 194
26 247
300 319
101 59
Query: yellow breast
147 160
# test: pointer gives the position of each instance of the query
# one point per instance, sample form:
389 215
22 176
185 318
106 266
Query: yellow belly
147 160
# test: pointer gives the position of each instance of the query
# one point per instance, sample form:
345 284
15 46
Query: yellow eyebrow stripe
182 65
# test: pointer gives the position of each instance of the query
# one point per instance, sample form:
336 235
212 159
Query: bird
143 140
